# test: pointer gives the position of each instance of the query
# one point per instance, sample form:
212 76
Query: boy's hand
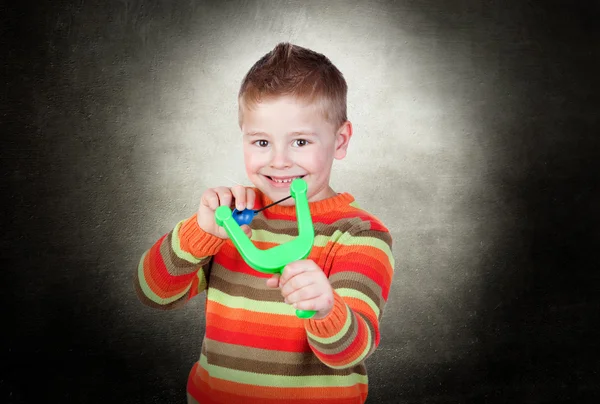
237 197
304 285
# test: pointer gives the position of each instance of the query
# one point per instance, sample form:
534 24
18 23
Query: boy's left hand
304 285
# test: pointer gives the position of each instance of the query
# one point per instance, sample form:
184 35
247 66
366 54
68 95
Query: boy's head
292 113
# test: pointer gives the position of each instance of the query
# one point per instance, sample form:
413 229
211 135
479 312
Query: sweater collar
316 208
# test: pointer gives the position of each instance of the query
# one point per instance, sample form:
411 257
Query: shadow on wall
533 339
540 286
75 330
72 338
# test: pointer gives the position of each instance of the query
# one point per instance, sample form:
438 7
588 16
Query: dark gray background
479 120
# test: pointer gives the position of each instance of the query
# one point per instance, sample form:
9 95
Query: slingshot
274 259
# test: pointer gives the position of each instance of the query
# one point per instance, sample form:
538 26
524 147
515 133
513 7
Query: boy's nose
280 159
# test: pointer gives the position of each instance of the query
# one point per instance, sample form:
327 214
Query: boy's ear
342 139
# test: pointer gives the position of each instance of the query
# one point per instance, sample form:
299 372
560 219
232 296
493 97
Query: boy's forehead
283 115
281 127
255 122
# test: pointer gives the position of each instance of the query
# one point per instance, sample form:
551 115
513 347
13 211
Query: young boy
292 113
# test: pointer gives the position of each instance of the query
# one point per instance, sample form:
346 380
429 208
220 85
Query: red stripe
194 288
371 256
161 275
363 269
249 322
238 338
231 259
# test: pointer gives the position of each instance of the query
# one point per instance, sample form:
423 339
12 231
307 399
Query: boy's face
285 139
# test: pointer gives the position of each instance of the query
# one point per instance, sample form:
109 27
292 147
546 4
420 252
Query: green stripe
336 337
240 302
321 241
202 280
149 293
359 295
276 238
267 380
176 246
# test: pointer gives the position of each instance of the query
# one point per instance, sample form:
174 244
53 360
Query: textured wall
475 126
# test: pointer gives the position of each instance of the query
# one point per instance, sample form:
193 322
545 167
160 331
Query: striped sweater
255 349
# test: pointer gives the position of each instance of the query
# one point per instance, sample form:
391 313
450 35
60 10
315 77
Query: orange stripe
230 314
200 381
250 327
335 323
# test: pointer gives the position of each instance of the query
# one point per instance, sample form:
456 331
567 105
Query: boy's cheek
254 163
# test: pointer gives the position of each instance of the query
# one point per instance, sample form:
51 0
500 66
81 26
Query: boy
292 112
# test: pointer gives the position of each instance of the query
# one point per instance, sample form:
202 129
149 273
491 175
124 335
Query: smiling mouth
284 180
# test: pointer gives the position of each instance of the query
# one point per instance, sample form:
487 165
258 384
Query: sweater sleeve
177 267
361 277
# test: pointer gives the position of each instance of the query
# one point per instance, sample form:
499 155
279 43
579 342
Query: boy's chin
276 195
287 202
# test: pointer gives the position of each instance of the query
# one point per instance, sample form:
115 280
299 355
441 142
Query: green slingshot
275 259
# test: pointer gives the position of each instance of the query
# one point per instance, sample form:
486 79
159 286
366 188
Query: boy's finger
224 196
250 198
239 193
292 269
296 283
303 294
210 199
247 230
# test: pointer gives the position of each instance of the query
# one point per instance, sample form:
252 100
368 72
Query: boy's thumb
273 282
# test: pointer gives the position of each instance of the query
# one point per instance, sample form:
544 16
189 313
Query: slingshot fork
274 259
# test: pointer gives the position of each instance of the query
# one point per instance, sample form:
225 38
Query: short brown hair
299 72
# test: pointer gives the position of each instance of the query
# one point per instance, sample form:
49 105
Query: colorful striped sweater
255 349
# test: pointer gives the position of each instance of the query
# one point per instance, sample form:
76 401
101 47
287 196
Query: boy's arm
177 267
361 276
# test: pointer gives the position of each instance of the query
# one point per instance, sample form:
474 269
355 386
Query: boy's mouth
283 180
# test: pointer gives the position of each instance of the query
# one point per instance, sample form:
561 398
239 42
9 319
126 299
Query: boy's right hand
238 197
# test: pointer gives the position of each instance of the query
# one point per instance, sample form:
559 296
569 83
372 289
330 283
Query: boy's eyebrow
302 133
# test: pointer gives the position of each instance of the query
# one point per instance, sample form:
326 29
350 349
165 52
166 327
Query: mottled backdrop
475 142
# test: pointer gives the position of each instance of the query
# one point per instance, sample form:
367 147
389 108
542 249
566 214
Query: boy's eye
262 143
301 142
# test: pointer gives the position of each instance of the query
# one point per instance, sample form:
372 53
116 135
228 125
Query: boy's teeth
288 180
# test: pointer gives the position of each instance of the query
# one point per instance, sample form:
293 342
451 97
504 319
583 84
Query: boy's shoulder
363 219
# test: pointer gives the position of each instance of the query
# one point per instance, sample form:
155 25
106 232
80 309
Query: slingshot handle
305 313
